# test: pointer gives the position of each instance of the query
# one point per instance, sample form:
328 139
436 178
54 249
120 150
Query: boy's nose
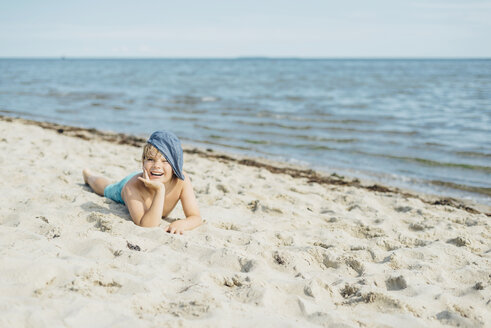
158 164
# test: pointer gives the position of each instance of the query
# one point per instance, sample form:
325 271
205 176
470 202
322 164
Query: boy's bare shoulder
133 186
186 179
184 183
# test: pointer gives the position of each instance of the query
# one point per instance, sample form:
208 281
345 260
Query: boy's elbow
144 224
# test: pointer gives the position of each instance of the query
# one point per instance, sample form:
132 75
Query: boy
154 193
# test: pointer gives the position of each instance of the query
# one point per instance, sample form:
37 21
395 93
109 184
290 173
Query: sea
422 124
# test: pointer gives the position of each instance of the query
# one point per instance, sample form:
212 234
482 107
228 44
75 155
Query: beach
279 247
333 115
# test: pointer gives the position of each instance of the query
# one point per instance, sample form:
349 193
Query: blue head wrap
169 146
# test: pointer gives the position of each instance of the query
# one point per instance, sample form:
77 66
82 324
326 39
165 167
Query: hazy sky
231 28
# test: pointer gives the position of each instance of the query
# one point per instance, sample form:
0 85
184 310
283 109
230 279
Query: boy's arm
149 218
190 208
152 216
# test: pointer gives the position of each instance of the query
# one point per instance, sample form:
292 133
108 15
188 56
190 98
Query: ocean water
421 124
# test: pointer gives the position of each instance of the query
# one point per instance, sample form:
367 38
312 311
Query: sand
275 250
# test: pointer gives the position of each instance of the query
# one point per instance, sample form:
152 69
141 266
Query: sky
252 28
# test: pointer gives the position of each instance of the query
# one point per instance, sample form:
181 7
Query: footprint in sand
228 226
349 290
459 241
250 292
316 288
101 223
330 261
419 226
279 258
403 209
235 281
396 283
285 239
355 265
246 265
192 309
253 206
453 319
323 245
222 188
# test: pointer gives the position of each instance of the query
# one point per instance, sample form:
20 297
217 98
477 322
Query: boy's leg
96 182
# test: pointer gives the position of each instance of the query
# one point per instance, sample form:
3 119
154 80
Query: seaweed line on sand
311 175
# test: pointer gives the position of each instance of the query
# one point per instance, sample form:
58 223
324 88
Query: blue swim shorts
113 191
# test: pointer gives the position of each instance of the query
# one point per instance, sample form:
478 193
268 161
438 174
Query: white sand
274 251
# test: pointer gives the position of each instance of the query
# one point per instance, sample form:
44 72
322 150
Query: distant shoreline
250 58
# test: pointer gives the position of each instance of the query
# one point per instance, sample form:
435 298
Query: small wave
429 162
316 147
22 93
186 119
271 124
459 165
33 116
473 154
353 106
474 189
187 100
248 112
178 109
6 111
209 99
277 134
328 128
66 111
256 142
295 98
81 95
208 142
433 144
192 100
269 134
351 121
114 107
250 141
390 132
271 143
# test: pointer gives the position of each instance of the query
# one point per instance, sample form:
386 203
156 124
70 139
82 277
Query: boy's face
157 167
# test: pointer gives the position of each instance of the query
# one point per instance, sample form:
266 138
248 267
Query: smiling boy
153 193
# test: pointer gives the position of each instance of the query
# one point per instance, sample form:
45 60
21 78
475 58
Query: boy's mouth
155 174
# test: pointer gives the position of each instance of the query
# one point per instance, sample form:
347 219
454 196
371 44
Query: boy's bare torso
172 193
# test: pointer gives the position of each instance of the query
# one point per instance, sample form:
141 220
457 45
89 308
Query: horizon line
252 57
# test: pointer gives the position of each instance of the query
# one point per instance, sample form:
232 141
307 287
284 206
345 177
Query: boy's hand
176 227
154 185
